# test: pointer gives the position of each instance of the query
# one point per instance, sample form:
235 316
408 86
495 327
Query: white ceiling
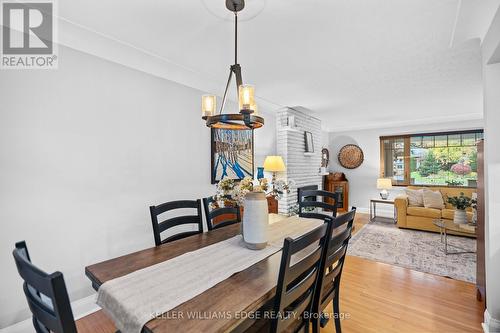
355 63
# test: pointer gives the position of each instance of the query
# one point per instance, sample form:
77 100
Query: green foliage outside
434 168
430 165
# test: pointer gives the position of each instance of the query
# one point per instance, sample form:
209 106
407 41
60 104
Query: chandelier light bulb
208 105
246 96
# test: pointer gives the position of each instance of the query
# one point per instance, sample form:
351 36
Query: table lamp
384 184
274 164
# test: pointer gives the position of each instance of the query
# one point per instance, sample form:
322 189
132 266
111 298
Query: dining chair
194 220
328 287
297 279
306 188
220 217
48 299
328 210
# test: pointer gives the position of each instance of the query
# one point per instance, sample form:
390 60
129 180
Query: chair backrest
333 262
299 271
220 217
306 188
159 227
329 210
46 295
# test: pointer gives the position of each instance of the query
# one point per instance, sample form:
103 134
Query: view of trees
444 159
454 166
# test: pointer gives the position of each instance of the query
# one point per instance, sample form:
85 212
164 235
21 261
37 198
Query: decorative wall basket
350 156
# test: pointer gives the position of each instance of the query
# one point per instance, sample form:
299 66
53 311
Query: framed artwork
309 142
232 154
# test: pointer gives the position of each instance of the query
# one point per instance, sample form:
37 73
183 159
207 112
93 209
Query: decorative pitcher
255 221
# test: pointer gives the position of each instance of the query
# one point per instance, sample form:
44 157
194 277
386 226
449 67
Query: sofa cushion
415 197
433 199
449 214
424 212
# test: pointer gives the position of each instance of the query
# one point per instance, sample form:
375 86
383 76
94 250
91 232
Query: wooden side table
373 208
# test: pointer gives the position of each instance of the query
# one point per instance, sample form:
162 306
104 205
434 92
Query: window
440 159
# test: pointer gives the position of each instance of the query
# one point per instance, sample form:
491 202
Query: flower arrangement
230 193
280 186
461 202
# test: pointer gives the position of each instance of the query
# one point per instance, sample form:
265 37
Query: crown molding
83 39
413 122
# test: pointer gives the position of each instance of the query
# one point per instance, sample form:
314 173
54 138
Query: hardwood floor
384 298
377 297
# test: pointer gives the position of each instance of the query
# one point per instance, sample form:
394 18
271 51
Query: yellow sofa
421 218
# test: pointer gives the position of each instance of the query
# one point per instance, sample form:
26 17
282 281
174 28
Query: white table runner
136 298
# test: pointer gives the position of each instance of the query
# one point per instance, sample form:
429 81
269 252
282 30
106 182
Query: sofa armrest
401 204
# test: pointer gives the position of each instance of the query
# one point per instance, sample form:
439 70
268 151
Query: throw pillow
415 197
433 199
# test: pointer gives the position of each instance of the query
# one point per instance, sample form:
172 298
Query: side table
373 208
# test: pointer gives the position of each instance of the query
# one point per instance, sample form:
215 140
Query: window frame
407 155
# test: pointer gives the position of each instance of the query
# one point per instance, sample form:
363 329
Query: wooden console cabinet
333 182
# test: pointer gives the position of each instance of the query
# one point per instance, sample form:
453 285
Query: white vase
255 220
460 216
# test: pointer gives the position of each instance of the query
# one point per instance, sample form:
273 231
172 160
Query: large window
440 159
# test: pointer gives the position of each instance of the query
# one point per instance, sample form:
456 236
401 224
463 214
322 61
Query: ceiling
353 63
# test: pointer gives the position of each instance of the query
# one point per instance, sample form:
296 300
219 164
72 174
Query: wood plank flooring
377 297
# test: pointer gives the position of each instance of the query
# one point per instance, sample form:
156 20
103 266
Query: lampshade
246 96
384 183
208 105
274 164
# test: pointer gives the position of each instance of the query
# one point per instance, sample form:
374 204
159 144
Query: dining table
235 304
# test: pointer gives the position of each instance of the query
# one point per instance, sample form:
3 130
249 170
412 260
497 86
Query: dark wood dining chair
220 217
48 299
329 210
298 278
307 188
328 287
159 227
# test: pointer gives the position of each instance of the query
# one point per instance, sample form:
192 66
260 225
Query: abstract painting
232 154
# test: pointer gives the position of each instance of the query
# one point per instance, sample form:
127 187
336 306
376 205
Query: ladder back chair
194 220
307 188
328 287
298 278
329 210
48 299
220 217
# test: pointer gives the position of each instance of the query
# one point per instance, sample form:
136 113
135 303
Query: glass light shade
246 96
384 183
255 109
208 105
274 164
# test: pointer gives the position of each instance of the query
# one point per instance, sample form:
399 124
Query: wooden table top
244 292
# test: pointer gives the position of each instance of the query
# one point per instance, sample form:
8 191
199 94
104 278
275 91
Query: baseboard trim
490 325
81 308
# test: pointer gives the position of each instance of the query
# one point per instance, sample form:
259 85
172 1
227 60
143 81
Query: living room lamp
274 164
384 184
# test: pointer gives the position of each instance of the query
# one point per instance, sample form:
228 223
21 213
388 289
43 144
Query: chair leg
323 320
336 312
315 325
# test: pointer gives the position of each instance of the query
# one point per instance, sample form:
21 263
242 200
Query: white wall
84 150
491 83
362 180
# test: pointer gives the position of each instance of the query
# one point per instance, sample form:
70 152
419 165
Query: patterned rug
418 250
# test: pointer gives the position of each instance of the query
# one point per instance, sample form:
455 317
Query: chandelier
248 117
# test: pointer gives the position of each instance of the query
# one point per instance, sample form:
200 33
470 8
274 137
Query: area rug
418 250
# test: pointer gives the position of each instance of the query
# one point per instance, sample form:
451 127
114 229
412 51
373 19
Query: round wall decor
351 156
